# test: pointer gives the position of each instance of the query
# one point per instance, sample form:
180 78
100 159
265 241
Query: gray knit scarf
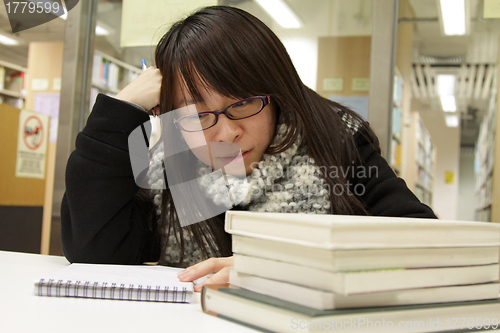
288 182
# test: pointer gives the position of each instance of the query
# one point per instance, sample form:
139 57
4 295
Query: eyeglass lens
239 110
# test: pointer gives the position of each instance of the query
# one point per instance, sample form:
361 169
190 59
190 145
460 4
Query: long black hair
234 54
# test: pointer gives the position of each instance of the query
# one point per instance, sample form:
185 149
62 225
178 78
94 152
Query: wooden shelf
13 66
7 69
105 89
486 206
119 62
11 93
396 137
422 186
109 75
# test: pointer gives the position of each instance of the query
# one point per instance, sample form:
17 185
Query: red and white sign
32 145
33 132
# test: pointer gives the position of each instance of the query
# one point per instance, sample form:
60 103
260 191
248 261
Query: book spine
114 76
105 81
111 76
96 69
117 76
2 77
101 74
105 290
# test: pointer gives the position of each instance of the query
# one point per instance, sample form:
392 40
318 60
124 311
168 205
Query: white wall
447 141
320 18
466 202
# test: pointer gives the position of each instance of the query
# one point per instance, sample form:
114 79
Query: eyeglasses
240 110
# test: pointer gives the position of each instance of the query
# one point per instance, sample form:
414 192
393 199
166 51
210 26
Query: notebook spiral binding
105 290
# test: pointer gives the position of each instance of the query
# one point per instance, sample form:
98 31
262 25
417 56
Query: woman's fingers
220 277
212 265
156 111
144 90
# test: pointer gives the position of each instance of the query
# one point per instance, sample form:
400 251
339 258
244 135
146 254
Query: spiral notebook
119 282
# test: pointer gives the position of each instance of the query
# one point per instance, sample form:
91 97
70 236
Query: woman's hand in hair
219 267
144 90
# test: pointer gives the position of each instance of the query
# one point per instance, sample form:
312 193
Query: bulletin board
15 191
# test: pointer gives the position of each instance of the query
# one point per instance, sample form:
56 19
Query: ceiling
108 15
50 31
470 57
479 46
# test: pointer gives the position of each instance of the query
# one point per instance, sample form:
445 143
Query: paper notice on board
156 17
40 84
32 145
49 104
449 177
333 84
360 84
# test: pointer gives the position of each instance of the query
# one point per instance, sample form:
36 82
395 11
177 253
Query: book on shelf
2 77
105 73
93 97
398 91
324 258
271 314
397 115
16 82
114 73
96 69
118 282
324 300
361 232
365 281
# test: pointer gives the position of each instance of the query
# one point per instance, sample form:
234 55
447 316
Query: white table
22 311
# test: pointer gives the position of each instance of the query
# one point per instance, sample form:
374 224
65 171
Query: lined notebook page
116 282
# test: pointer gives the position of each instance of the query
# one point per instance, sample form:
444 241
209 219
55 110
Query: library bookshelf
110 75
484 161
397 115
12 84
421 171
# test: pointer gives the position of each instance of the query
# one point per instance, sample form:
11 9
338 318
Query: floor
55 237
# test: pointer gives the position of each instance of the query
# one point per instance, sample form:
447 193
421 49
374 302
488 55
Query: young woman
300 151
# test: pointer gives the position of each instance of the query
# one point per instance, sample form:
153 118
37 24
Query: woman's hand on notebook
220 268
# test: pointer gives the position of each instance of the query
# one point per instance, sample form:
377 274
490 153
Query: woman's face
217 146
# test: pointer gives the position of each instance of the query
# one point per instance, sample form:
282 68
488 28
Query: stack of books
304 272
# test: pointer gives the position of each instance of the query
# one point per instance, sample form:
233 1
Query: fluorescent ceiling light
8 41
448 103
446 84
453 16
452 121
446 92
280 12
100 31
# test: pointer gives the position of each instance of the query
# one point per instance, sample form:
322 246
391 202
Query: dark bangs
221 51
224 49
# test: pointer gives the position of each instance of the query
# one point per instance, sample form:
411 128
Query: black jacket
102 220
